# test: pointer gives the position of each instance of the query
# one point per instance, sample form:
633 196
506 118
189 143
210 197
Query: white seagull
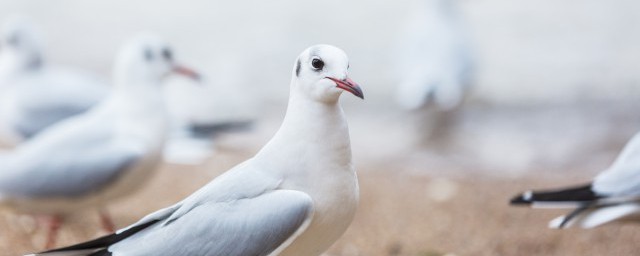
612 195
434 58
33 94
295 197
88 160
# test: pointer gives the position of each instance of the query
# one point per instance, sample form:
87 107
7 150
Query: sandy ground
401 213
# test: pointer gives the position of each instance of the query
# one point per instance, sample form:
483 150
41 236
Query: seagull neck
315 131
139 108
314 117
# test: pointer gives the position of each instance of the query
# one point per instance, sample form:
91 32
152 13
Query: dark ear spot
167 54
148 55
298 68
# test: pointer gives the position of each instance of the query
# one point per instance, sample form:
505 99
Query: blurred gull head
146 60
321 72
20 45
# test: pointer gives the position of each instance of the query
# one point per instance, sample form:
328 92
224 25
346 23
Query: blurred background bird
35 94
612 195
552 82
434 67
87 161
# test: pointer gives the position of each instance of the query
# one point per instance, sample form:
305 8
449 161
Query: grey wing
622 178
251 226
68 171
33 120
41 109
98 245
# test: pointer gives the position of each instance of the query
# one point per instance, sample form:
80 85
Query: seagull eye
167 54
317 64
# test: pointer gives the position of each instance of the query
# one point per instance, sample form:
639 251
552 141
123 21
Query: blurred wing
623 177
595 217
607 214
35 118
630 152
65 170
252 226
621 180
54 96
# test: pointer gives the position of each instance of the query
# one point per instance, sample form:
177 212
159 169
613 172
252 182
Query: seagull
296 196
613 195
33 94
434 58
106 153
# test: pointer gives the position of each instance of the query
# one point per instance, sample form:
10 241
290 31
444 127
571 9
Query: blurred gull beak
349 85
182 70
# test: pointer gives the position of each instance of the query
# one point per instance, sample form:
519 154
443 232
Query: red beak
349 85
182 70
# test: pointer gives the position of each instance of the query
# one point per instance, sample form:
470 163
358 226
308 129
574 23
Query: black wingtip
103 252
522 199
100 244
582 193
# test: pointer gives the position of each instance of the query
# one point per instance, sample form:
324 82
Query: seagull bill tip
348 85
188 72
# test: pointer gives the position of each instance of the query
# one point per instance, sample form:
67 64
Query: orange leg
53 225
105 220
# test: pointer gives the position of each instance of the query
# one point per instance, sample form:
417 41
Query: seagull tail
560 223
607 214
594 217
561 198
98 246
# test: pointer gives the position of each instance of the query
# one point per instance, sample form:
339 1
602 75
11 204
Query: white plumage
295 197
34 94
434 57
613 194
88 160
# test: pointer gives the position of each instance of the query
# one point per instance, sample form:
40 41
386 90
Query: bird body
296 196
317 133
91 159
435 62
614 194
33 94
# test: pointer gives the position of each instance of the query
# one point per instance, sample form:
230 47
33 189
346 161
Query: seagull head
20 45
147 59
321 72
